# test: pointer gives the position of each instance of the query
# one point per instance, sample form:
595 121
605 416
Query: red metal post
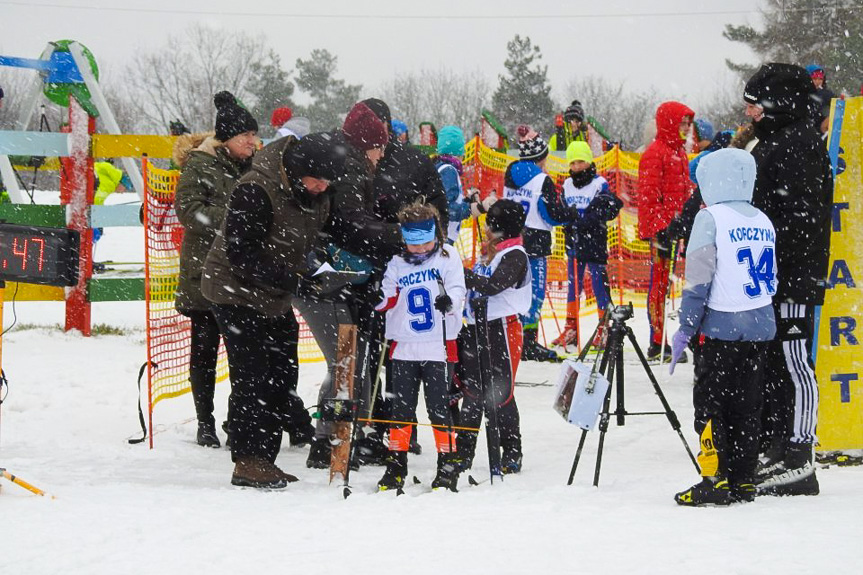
76 192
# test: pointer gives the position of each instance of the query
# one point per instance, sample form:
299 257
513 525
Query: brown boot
260 474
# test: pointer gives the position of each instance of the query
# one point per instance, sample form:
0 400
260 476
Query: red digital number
22 252
41 242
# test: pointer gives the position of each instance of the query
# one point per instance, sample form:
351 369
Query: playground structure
68 77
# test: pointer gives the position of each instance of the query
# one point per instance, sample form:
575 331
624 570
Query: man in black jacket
794 187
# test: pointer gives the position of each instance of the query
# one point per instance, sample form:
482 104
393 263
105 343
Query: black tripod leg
577 456
603 421
669 413
620 410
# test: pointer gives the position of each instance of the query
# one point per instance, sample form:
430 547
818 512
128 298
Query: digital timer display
37 255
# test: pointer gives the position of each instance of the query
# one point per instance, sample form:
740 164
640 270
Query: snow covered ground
123 508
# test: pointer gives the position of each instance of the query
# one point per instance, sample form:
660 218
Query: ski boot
794 475
569 335
319 454
711 491
532 351
448 467
466 446
743 492
206 436
370 450
510 461
397 470
302 436
598 342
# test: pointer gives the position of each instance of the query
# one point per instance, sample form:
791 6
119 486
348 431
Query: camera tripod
610 364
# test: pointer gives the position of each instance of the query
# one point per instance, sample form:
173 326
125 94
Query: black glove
443 303
663 244
675 229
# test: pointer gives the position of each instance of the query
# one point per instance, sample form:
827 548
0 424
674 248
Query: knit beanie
574 111
704 129
316 156
231 118
506 217
399 127
280 116
531 146
450 140
579 151
381 110
363 129
779 87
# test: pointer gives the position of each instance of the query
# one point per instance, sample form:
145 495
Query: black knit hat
231 118
531 146
382 111
780 88
574 111
506 217
316 156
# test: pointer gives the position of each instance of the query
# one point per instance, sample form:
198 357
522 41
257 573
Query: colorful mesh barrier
168 332
168 335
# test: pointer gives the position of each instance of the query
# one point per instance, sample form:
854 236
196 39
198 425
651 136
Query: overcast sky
673 45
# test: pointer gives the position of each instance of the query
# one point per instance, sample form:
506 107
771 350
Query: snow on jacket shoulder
663 172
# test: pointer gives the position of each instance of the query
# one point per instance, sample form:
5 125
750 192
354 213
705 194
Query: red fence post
76 192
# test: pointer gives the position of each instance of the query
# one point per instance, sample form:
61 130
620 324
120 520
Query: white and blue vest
513 300
745 276
528 196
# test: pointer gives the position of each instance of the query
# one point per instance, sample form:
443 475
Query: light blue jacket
728 177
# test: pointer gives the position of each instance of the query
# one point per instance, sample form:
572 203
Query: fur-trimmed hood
187 143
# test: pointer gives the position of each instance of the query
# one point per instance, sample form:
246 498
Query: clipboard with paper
329 279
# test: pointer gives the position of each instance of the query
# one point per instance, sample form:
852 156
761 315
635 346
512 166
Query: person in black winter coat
251 275
357 239
794 187
404 175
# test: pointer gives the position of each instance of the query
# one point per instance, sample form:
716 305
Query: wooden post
76 192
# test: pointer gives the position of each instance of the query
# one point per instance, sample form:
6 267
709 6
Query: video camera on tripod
584 392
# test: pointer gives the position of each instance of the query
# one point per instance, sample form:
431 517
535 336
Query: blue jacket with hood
727 177
552 209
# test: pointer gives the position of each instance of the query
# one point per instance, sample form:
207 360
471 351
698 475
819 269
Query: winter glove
662 243
489 201
443 303
678 344
675 229
476 209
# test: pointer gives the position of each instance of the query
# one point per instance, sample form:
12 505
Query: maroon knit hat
363 129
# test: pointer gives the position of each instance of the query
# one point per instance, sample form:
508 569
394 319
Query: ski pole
442 292
671 270
21 483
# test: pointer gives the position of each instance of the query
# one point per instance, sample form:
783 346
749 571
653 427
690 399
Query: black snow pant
204 354
264 367
406 379
505 342
790 389
727 395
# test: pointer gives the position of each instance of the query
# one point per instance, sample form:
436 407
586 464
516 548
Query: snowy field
121 508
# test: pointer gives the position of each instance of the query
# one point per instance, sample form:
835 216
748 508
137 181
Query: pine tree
270 87
522 95
826 32
331 98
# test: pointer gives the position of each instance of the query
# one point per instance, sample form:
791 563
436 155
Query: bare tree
179 81
621 113
440 96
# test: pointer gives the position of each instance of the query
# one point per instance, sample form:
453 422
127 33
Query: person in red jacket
663 188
